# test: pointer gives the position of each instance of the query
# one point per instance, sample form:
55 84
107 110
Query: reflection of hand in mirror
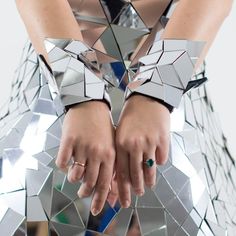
133 227
142 133
88 137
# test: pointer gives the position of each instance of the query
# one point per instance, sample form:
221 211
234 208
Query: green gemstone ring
149 162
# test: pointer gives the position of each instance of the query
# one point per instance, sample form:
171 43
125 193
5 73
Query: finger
150 172
90 178
123 178
113 193
162 152
136 171
76 171
102 188
64 153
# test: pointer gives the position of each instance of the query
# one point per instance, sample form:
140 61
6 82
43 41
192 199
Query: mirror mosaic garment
195 192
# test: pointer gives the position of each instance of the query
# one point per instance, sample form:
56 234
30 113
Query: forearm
197 20
179 52
45 18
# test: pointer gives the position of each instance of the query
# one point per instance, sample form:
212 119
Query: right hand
88 136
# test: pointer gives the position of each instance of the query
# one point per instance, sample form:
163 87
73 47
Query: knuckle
120 142
151 140
100 153
114 191
96 158
83 145
60 163
94 149
136 177
110 152
69 139
90 184
102 187
164 139
135 142
124 194
122 176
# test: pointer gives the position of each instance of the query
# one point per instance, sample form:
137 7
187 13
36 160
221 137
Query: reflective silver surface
195 192
167 70
72 72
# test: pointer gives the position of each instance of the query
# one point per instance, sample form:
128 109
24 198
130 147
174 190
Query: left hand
142 133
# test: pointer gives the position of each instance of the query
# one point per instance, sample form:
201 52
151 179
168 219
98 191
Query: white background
221 64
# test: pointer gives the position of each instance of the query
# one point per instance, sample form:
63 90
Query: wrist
99 103
136 98
169 107
92 104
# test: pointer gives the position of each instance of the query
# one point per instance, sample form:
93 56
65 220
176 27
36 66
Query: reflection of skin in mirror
150 10
180 26
133 229
88 8
111 229
37 228
141 51
85 28
41 228
91 30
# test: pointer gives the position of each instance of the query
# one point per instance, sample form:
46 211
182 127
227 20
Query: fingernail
140 193
113 203
126 204
153 186
95 211
80 193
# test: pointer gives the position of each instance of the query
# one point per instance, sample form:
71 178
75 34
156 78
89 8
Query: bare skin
55 19
136 141
141 135
193 20
48 19
89 144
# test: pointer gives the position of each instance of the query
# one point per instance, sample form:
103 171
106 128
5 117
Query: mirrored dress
195 192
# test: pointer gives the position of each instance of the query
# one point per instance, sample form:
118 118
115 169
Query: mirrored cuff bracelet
165 72
73 72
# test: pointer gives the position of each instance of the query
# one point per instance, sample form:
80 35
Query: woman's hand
142 133
88 136
113 193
